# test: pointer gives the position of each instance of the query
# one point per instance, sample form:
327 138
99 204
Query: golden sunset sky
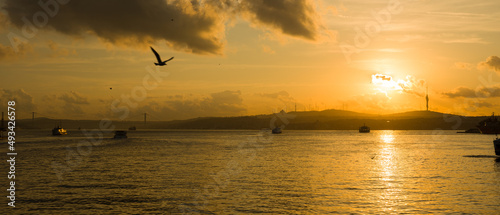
59 58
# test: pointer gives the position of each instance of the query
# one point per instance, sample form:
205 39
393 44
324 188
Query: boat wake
482 156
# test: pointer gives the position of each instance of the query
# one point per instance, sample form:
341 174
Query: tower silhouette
427 98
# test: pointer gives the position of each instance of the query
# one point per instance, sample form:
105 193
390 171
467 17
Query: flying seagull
160 63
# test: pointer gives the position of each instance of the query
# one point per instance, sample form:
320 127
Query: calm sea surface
250 172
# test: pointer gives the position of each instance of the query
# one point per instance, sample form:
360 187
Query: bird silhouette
160 62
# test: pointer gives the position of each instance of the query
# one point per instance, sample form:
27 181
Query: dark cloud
292 17
195 26
184 25
482 92
492 62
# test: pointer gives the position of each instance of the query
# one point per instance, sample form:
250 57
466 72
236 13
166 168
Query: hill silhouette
307 120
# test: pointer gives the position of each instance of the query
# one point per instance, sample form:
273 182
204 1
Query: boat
491 125
120 135
276 130
364 129
2 129
133 128
496 144
59 131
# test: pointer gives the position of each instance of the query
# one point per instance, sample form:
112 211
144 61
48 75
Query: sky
91 59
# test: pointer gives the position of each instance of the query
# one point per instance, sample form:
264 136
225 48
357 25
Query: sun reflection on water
386 170
387 136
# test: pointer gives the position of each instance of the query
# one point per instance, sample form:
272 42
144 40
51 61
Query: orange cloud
492 62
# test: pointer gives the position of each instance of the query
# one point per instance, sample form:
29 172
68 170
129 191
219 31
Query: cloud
24 101
59 52
73 98
184 25
481 104
292 17
463 66
492 62
64 105
225 103
7 52
481 92
226 98
196 26
218 104
4 23
282 96
73 102
410 85
267 49
461 92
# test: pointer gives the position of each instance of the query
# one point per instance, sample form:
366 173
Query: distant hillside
418 114
310 120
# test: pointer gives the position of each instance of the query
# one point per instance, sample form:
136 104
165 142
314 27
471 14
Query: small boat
2 129
133 128
364 129
276 130
120 135
59 131
496 143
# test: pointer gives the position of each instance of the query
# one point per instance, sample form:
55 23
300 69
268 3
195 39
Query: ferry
59 131
120 135
490 125
364 129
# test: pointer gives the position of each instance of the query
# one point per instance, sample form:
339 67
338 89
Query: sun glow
386 84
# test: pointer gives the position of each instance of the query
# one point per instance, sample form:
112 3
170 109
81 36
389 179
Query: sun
385 84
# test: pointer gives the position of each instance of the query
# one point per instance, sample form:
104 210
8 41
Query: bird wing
168 60
156 54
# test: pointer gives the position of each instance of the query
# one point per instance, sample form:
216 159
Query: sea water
251 172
